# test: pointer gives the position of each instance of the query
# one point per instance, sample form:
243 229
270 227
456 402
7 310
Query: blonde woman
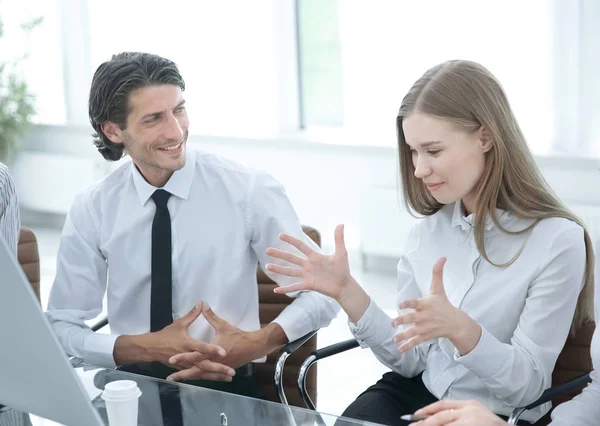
489 282
583 410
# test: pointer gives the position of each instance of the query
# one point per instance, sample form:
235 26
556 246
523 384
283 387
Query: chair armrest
316 355
551 393
292 347
285 352
102 323
335 349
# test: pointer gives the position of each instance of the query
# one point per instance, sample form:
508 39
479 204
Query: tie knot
161 197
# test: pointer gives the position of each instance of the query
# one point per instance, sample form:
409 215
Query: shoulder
232 172
559 230
93 196
6 180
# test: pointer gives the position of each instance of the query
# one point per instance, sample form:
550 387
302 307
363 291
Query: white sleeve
374 329
10 224
269 214
520 371
79 287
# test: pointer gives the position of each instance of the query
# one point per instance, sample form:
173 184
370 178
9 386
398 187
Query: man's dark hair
113 81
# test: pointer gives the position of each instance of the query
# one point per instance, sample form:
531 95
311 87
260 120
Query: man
9 209
173 240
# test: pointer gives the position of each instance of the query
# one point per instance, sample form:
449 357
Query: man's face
156 133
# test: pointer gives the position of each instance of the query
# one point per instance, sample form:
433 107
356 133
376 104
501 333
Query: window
386 45
320 63
225 51
42 68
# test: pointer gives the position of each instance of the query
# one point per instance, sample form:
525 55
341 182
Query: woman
583 410
509 260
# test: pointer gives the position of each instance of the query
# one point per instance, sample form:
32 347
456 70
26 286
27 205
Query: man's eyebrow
159 113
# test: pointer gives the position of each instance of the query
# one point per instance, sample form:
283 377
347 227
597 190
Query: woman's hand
435 317
325 274
458 413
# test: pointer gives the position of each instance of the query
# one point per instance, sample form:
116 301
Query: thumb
191 316
437 279
340 246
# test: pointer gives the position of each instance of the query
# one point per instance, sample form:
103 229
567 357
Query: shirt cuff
486 359
373 328
294 321
99 348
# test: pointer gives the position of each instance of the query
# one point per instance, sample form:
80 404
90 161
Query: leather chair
29 258
269 375
270 306
570 375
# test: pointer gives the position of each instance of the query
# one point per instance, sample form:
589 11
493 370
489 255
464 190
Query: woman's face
449 161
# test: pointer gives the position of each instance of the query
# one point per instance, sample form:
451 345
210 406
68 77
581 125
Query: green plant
16 101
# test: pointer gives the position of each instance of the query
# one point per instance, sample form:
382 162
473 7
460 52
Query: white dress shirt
223 218
9 209
584 409
525 310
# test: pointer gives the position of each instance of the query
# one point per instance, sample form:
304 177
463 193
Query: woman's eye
434 151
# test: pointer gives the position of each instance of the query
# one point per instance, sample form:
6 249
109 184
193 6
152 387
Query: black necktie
161 290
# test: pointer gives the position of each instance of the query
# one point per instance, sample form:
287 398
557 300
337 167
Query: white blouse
525 310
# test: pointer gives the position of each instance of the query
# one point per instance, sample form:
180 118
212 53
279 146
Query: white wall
326 182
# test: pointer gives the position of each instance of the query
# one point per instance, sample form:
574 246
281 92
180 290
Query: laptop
35 373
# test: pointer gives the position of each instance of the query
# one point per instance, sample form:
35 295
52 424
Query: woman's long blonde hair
468 95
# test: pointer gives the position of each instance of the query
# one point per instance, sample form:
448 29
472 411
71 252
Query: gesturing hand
435 317
326 274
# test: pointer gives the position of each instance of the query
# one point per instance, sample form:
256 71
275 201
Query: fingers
284 255
212 318
437 279
405 319
412 342
299 244
443 418
416 304
191 316
208 350
291 288
196 373
340 246
406 334
284 270
187 359
444 404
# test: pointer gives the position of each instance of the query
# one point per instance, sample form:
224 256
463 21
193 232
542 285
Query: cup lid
121 389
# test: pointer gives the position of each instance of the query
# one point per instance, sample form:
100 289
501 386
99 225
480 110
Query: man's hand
242 347
174 339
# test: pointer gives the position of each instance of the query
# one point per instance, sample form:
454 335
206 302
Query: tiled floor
340 378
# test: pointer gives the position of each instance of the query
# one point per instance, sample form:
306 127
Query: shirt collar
179 184
466 222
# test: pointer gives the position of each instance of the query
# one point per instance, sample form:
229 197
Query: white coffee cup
122 397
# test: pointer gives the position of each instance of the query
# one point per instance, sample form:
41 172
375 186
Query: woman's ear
112 132
486 139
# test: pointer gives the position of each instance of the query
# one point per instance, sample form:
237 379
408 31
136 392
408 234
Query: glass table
165 403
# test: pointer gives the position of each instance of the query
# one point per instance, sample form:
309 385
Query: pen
414 417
